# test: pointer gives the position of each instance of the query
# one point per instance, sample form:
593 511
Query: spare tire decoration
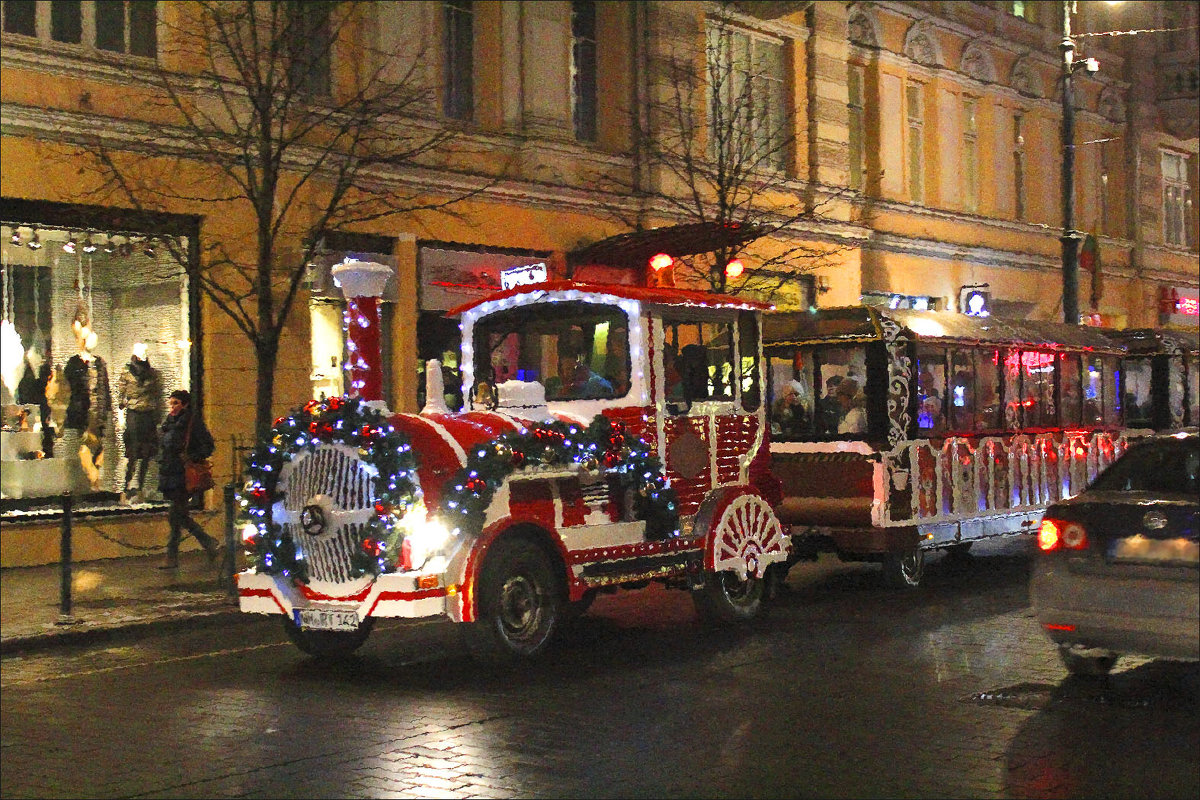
338 420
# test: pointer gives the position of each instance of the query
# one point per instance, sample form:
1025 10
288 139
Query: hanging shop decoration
603 447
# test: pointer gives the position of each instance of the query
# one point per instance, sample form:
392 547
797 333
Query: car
1117 568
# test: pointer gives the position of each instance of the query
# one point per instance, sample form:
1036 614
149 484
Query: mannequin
87 411
33 390
139 397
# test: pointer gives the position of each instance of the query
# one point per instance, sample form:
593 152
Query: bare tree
282 119
715 135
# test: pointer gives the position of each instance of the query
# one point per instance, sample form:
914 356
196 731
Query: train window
931 389
1175 389
1112 403
1093 391
841 373
705 358
1012 389
1069 387
1037 389
987 390
748 358
792 399
963 415
1137 403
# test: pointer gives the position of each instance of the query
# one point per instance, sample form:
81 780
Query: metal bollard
64 550
228 579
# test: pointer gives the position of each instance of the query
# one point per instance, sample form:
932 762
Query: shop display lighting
69 245
16 237
109 245
88 245
34 243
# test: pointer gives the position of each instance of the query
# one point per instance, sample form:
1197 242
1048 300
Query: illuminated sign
1174 303
523 276
974 301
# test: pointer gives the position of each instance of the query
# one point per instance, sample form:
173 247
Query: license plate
1157 551
327 619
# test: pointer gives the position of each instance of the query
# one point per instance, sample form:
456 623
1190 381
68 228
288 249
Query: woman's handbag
197 474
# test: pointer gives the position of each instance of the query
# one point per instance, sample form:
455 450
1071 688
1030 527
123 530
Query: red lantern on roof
660 262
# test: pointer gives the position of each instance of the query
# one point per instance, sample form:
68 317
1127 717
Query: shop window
109 25
749 387
1176 383
327 310
96 334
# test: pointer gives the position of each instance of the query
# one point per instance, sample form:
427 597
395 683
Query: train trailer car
616 436
1162 380
894 432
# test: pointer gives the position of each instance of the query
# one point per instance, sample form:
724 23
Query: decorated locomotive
614 435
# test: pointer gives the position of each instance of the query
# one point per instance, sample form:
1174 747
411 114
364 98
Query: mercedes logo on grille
1154 520
312 520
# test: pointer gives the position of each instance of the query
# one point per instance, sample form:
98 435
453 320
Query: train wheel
903 570
328 644
726 599
519 603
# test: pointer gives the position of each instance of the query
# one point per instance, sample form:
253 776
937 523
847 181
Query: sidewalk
109 598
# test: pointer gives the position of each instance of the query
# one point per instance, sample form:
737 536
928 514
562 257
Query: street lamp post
1069 238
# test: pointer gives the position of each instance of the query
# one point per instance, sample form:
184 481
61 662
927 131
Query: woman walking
182 432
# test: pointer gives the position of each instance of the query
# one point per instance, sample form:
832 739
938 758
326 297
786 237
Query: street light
1070 237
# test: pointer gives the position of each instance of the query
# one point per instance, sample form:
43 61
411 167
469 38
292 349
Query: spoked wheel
328 644
726 599
1086 666
903 570
519 603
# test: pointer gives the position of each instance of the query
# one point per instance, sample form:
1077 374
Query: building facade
927 133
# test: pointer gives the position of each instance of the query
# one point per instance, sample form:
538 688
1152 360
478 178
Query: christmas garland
341 420
602 445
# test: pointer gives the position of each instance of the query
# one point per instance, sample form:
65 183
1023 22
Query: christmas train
615 435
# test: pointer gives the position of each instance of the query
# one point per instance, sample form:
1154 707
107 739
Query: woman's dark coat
170 462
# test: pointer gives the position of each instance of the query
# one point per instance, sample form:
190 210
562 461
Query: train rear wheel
726 599
904 570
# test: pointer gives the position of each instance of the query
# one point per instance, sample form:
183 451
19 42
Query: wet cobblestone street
844 689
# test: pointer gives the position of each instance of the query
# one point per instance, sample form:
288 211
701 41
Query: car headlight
424 539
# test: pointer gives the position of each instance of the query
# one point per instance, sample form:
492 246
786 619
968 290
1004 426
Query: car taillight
1056 533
